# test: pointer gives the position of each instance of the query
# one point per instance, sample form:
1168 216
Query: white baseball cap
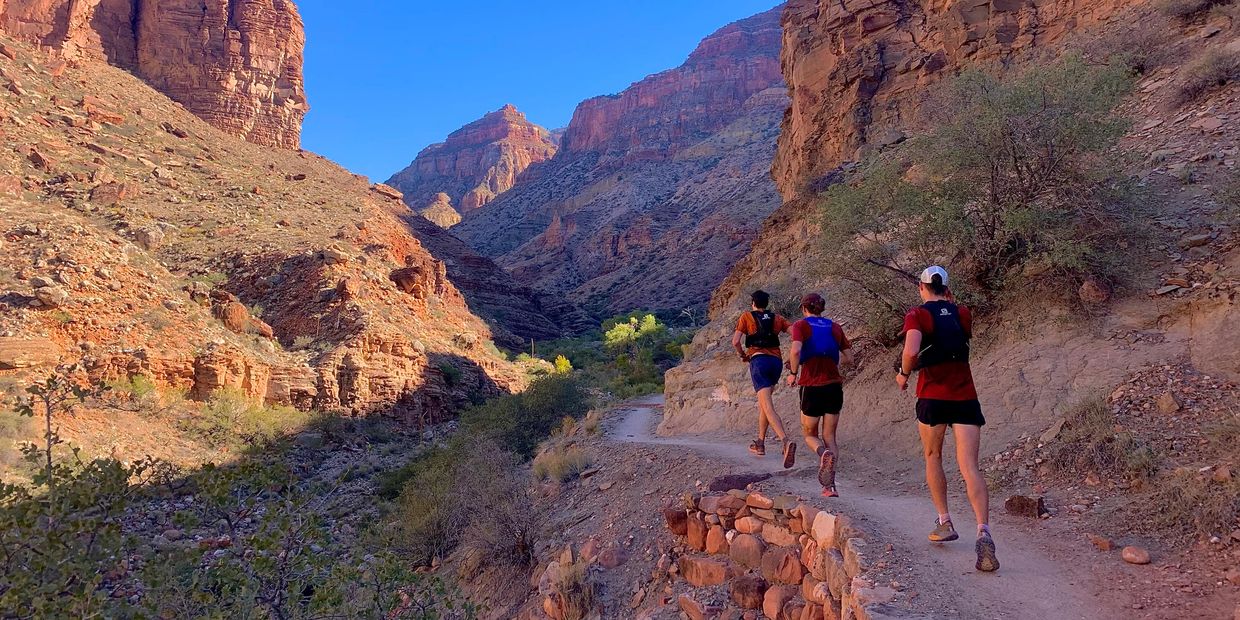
927 276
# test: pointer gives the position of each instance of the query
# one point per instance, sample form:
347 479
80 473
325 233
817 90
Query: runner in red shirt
936 342
819 348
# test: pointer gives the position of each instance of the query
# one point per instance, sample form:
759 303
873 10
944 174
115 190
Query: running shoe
943 532
829 492
985 547
826 470
757 447
790 454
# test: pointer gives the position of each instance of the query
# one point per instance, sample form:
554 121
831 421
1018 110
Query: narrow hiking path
1040 578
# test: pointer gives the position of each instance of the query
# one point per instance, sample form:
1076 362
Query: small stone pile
751 556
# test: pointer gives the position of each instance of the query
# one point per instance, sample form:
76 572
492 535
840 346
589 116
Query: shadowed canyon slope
473 166
649 182
235 63
143 241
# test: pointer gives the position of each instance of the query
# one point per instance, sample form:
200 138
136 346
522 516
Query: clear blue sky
385 78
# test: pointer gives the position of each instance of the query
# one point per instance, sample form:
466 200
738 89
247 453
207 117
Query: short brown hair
813 303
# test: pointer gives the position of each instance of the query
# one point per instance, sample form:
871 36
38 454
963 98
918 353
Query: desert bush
518 422
1090 442
474 484
560 463
1013 173
230 416
593 422
562 365
451 374
1188 9
1212 70
1141 48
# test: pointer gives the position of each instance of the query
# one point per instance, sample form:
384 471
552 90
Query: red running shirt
948 381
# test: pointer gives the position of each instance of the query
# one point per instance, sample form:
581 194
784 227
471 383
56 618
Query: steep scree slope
648 181
473 166
141 240
235 63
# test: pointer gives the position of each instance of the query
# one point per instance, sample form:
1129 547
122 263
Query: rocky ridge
673 168
473 166
142 241
235 63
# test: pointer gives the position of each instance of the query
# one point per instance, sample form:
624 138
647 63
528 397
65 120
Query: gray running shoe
757 447
986 560
943 532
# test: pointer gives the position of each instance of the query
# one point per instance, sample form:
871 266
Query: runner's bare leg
766 409
932 446
809 427
968 440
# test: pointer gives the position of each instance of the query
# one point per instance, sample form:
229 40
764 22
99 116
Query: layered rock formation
139 240
235 63
857 70
649 181
473 166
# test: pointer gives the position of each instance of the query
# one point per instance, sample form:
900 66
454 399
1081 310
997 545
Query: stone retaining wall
776 556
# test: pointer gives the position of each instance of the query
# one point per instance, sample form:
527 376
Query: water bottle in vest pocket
821 342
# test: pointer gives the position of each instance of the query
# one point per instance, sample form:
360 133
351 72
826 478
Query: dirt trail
1040 577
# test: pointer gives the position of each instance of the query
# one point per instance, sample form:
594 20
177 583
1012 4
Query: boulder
748 590
775 598
1135 555
699 572
779 535
696 534
747 550
782 565
677 520
749 525
1025 506
716 540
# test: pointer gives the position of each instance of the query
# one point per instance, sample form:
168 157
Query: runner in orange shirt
760 329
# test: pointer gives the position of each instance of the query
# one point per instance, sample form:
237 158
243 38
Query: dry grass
1090 442
1212 70
593 424
560 463
1190 505
575 591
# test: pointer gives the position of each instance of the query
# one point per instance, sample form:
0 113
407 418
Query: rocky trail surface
1042 575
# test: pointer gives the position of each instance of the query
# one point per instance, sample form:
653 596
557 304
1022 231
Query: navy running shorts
765 370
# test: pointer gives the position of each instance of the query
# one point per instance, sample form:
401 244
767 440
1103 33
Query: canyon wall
649 181
235 63
473 166
857 70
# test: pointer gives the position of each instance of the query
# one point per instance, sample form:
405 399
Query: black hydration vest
948 342
765 337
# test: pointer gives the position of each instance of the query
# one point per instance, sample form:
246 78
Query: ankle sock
983 529
944 518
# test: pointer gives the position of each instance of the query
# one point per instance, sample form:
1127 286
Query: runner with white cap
936 345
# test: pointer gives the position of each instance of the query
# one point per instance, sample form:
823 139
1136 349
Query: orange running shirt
749 326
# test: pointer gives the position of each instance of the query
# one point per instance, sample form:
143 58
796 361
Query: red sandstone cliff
857 69
235 63
648 182
475 164
657 116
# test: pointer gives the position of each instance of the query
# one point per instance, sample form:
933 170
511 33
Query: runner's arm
737 337
908 361
846 357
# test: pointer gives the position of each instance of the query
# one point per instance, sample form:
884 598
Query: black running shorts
935 412
820 400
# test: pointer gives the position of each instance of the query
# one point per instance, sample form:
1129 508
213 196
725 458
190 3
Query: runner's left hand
902 381
792 380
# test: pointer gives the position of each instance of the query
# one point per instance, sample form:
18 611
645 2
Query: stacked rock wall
775 554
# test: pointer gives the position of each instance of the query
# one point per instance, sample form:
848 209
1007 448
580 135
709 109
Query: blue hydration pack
821 341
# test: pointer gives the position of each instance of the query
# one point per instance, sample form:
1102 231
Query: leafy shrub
562 365
229 416
519 421
451 374
1141 47
1014 173
1210 71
